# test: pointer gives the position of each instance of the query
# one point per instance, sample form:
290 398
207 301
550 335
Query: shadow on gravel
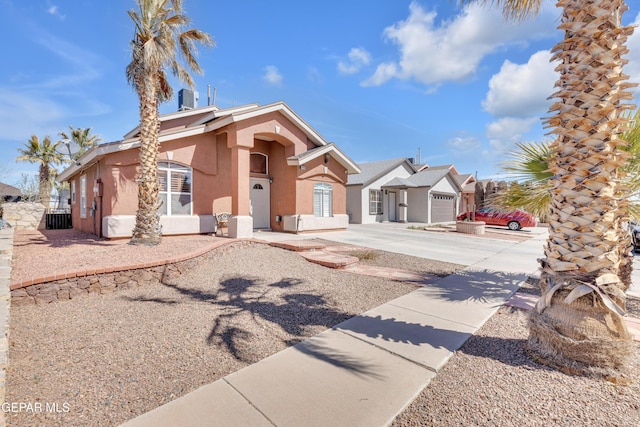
242 296
509 351
59 239
243 303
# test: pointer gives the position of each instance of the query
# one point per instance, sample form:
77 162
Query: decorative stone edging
65 286
470 227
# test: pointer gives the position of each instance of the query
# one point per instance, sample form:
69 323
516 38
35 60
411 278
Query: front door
392 206
260 202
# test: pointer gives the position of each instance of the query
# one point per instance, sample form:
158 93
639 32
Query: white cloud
434 52
505 132
272 76
384 73
464 146
522 90
358 58
54 11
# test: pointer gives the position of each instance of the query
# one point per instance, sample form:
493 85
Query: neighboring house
369 201
433 195
396 190
262 164
9 193
467 198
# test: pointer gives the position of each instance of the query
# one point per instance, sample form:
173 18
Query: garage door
443 208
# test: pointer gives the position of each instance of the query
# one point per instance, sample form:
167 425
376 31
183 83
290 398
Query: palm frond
529 162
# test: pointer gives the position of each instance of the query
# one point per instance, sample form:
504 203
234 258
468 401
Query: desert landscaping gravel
112 357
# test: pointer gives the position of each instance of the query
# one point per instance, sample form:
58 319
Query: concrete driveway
519 257
449 247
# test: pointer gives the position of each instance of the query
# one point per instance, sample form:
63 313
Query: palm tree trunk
44 185
147 230
577 325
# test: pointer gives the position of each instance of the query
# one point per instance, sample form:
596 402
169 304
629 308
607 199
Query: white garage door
443 208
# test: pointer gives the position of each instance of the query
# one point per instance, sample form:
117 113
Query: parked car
515 220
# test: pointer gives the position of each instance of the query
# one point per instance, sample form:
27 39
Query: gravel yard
112 357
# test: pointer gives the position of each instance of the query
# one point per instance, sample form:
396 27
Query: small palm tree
44 153
158 40
82 138
528 165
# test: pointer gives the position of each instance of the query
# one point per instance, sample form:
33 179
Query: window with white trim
73 192
375 202
322 200
83 196
175 188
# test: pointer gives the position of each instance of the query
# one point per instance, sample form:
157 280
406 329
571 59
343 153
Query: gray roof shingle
374 170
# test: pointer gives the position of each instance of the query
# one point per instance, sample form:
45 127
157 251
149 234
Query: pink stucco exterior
217 148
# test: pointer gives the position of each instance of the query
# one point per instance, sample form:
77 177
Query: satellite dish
68 147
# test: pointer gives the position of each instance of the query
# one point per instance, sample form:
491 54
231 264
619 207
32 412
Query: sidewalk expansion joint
437 317
428 368
249 402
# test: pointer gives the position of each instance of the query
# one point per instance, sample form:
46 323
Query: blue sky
381 78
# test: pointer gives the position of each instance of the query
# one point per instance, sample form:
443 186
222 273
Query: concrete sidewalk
366 370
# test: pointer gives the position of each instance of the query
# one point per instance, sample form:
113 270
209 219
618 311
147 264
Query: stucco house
9 193
367 202
263 164
397 190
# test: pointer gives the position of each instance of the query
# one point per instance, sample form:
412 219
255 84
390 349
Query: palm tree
529 163
46 155
577 325
157 41
82 138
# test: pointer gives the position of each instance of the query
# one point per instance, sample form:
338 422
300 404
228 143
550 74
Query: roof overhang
280 107
399 183
331 150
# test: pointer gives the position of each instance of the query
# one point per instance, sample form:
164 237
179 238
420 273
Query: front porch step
298 245
330 260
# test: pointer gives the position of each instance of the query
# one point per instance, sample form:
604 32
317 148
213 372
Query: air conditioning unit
187 99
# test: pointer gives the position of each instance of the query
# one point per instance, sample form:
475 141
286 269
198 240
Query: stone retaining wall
66 289
24 215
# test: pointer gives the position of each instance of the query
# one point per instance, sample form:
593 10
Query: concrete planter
470 227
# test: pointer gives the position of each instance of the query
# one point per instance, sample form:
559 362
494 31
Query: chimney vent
187 99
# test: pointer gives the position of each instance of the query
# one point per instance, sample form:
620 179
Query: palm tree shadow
509 351
484 286
243 305
355 365
401 332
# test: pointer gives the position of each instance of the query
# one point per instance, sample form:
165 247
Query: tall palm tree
577 325
529 163
83 138
158 40
44 153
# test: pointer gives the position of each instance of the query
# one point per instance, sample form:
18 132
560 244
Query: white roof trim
331 149
266 109
237 114
175 115
225 112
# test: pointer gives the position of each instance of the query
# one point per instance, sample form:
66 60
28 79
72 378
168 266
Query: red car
514 220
